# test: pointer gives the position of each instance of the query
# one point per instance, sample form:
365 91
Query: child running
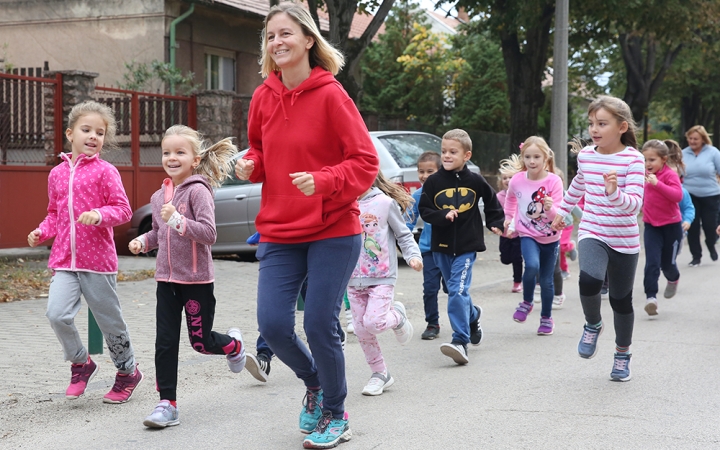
530 207
610 175
427 164
510 252
663 222
372 284
687 209
183 220
449 203
87 200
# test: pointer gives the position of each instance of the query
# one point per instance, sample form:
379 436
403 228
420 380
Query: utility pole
559 117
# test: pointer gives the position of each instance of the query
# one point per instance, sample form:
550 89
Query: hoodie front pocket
285 213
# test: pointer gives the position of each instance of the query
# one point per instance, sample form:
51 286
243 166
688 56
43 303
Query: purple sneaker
522 311
547 325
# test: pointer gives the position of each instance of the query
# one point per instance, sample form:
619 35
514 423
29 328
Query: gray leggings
596 258
101 297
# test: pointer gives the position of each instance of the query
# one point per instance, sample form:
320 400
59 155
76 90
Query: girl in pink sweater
663 222
183 217
87 200
530 207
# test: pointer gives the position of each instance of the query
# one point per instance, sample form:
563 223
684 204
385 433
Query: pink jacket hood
90 184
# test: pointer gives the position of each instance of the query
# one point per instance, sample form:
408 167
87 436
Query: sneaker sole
651 309
150 424
252 366
73 397
627 378
543 333
390 382
452 352
117 402
346 436
429 337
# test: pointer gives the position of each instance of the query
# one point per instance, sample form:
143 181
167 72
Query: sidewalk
520 390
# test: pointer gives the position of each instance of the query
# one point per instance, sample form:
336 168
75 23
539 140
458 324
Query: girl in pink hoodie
86 200
183 219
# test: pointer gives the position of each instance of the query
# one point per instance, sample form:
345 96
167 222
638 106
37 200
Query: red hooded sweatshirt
313 128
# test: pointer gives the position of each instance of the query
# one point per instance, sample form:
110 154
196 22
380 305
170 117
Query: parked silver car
237 202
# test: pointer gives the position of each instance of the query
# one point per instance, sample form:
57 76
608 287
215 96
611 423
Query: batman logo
462 201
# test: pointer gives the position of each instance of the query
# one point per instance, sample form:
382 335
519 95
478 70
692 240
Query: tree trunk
525 70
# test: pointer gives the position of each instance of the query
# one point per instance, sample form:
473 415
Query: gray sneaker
164 415
456 351
404 330
671 288
378 383
236 363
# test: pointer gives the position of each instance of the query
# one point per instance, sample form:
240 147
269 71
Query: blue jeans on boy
431 286
327 264
457 272
540 260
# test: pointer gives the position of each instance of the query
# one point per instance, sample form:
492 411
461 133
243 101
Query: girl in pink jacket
183 219
86 200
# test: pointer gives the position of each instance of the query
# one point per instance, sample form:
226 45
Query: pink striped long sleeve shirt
609 218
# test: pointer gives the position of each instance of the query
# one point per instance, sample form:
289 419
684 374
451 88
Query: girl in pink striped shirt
611 176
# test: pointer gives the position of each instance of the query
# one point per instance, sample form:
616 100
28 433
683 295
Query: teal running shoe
329 433
311 412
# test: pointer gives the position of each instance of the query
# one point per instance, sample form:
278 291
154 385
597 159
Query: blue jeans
661 247
540 260
457 272
431 286
327 264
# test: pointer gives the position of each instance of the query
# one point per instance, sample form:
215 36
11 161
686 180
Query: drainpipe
173 44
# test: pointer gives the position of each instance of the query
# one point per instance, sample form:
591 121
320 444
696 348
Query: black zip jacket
460 190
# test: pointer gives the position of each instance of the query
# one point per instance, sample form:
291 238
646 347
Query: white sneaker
348 318
404 330
236 363
377 383
558 301
651 306
457 352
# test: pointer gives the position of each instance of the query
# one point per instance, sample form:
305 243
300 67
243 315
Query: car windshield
407 148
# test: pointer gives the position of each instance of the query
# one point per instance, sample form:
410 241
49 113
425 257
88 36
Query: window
219 70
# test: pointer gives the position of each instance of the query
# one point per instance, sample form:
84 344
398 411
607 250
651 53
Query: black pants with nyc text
198 302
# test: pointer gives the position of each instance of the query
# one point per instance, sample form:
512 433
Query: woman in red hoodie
311 150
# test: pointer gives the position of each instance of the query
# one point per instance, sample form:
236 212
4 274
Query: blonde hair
699 129
675 158
508 168
518 164
105 113
620 111
461 136
394 191
322 53
215 160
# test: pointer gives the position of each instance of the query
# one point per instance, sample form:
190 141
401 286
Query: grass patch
28 279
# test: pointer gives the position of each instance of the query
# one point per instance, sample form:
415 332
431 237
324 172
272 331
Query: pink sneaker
81 376
547 325
522 311
124 387
517 287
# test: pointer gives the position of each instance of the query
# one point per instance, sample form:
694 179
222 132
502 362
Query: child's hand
451 215
558 223
304 181
497 231
244 168
718 230
686 226
416 264
135 246
34 238
547 203
89 218
167 211
651 178
610 182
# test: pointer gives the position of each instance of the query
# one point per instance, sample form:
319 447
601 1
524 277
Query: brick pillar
78 86
215 114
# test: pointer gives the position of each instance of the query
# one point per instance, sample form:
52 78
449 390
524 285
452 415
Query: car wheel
144 228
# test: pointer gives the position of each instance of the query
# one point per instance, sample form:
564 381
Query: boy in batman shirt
449 202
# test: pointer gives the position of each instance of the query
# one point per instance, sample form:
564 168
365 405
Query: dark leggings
706 216
510 253
596 258
198 302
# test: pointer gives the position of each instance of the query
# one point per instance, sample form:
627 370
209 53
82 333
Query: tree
155 77
523 29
